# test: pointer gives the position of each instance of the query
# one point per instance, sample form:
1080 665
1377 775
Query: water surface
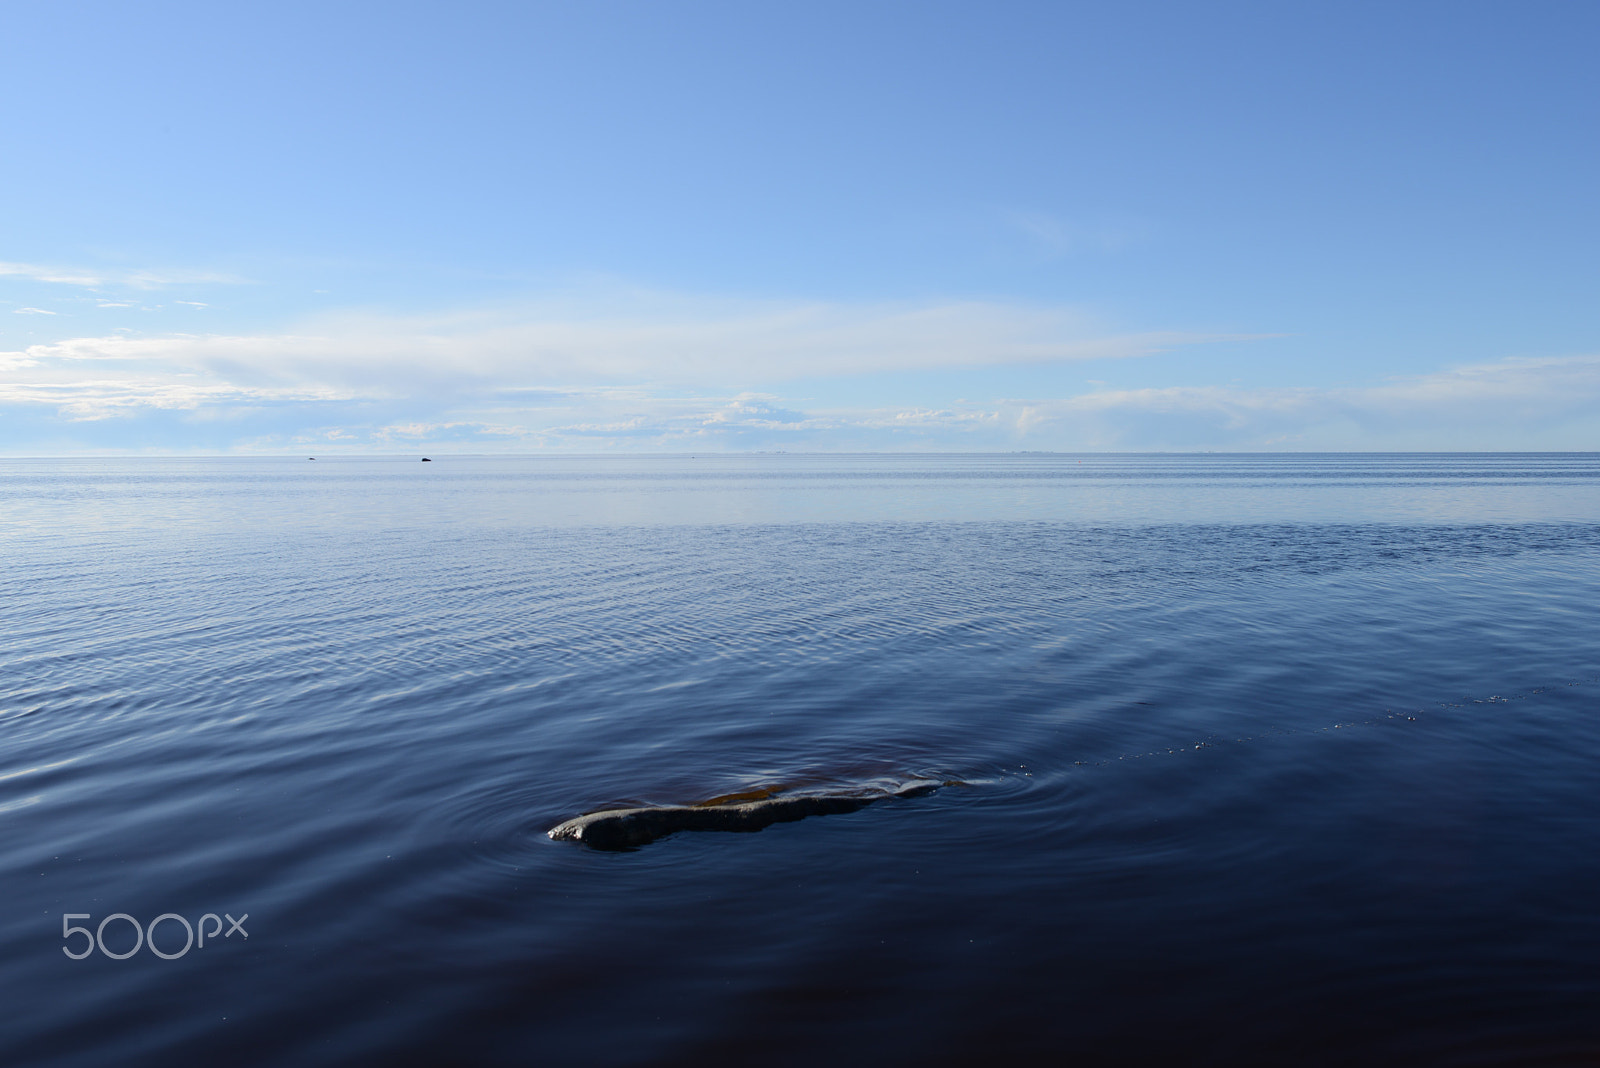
1273 758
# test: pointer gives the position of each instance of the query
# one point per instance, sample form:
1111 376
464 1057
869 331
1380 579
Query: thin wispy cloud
31 311
1053 236
94 278
1483 406
652 340
62 276
93 399
1512 403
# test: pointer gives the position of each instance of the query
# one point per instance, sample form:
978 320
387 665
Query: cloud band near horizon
670 373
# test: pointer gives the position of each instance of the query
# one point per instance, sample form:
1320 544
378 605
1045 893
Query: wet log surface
629 828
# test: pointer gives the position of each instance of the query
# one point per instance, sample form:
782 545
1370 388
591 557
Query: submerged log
625 828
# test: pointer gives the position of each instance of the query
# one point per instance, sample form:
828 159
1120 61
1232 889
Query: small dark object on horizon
426 460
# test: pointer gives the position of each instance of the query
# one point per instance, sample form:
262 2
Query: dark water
1272 759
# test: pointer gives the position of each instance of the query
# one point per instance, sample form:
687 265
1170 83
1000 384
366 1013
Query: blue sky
510 227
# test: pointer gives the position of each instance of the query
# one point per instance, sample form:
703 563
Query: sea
1249 759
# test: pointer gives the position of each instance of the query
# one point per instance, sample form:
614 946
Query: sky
520 227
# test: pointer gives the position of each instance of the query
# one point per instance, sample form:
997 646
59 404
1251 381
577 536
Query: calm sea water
1272 759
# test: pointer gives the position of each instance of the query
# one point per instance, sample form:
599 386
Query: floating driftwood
624 828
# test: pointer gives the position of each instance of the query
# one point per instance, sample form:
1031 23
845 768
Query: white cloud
637 338
103 398
62 275
650 371
31 311
1512 403
90 277
637 419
